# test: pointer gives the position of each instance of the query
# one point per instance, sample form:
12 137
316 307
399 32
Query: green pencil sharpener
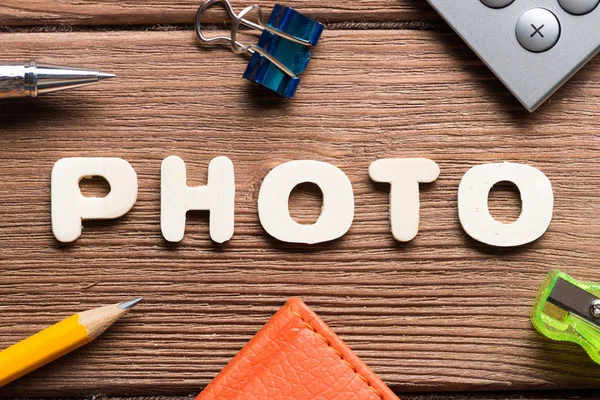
568 310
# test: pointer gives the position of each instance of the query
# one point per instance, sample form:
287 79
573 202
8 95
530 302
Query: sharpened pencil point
104 75
126 305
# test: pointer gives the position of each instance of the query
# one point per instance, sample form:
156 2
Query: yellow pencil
58 340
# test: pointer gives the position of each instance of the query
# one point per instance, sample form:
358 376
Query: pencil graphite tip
105 75
126 305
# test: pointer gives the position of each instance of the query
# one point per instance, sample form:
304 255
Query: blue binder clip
282 52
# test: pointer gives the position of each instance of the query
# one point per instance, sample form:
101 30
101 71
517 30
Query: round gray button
538 30
579 7
498 3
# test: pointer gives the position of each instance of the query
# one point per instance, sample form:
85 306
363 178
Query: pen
29 79
58 340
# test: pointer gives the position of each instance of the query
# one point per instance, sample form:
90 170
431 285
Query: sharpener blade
575 300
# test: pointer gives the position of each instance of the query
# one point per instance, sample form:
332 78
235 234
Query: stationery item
296 356
568 310
533 46
58 340
29 79
282 50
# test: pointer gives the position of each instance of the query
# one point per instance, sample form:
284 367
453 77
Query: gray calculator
533 46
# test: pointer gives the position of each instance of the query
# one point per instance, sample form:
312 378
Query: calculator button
538 30
498 3
579 7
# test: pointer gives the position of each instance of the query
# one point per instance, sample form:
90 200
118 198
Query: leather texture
296 356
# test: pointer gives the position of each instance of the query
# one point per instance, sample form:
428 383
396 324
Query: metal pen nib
32 79
50 78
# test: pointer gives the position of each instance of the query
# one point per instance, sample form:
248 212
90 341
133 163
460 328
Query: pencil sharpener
568 310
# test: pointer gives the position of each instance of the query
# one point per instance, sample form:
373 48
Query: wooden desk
389 79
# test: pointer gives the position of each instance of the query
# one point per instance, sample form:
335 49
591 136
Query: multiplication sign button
538 30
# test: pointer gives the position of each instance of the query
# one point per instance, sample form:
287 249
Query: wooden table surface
389 79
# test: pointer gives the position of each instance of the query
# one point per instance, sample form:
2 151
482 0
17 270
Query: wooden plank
118 12
442 313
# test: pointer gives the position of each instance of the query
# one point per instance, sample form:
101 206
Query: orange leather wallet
296 356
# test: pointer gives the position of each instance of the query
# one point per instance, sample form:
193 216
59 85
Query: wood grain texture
441 313
118 12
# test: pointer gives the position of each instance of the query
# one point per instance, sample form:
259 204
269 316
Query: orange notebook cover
296 356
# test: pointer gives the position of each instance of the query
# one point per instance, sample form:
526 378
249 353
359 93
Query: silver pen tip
126 305
104 75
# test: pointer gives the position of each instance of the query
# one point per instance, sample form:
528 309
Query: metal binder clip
282 50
